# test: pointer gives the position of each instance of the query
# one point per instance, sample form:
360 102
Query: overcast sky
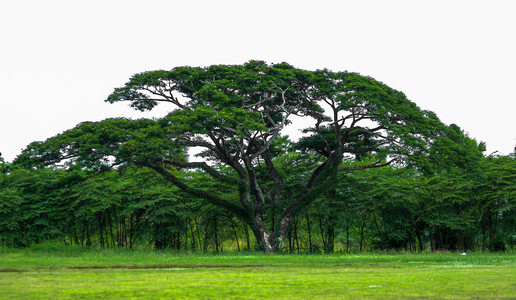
60 59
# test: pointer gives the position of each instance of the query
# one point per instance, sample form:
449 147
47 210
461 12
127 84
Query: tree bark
263 237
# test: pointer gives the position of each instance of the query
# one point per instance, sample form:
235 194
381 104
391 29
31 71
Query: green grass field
44 274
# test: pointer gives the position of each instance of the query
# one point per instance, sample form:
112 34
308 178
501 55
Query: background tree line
461 206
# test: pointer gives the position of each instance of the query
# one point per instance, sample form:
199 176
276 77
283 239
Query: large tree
236 114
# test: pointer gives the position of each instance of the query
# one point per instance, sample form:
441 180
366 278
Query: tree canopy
237 115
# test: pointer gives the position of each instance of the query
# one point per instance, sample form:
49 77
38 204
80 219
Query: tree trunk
216 234
88 234
235 233
483 238
262 236
296 237
101 230
205 244
290 241
117 229
131 231
189 224
383 237
322 233
76 236
420 241
198 229
362 232
330 241
83 234
110 223
247 237
347 238
273 218
271 243
309 231
320 181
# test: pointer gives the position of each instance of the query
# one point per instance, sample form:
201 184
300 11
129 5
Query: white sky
60 59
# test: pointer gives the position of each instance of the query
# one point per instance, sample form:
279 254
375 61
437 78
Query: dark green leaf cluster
101 145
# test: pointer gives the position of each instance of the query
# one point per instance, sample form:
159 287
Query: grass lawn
33 274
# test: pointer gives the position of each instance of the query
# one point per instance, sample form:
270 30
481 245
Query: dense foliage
371 170
372 209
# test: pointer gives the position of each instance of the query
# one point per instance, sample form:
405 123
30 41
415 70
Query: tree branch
237 210
204 166
370 166
278 181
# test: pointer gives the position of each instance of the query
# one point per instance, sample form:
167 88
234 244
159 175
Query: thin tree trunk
483 238
75 235
322 233
380 233
82 234
295 236
186 236
419 236
441 239
194 248
235 233
246 230
330 232
432 243
463 244
198 229
347 238
117 230
131 233
290 241
331 239
273 218
362 232
205 244
216 234
123 229
309 231
111 231
88 234
101 230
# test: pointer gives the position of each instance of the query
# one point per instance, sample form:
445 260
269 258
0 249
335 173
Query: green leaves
241 101
236 114
453 151
100 145
4 167
230 121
